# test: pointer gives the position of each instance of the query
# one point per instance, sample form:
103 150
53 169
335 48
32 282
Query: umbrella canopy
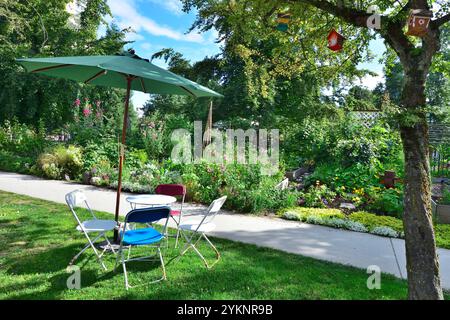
126 71
112 71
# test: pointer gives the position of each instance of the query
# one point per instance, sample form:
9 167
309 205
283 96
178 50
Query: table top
151 199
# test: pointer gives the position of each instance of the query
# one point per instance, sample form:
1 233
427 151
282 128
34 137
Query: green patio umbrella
126 71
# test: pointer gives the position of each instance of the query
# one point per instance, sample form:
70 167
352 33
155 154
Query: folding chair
200 228
76 199
142 237
174 190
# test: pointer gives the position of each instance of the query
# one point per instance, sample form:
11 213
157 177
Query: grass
369 220
37 240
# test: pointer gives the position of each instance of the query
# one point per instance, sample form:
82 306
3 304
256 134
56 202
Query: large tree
39 28
239 23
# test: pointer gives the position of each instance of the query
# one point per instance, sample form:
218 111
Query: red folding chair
174 190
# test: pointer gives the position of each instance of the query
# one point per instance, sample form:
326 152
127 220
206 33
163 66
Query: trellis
366 117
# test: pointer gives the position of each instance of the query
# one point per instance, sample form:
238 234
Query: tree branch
352 16
439 22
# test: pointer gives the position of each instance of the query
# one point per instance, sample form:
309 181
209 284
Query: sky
159 24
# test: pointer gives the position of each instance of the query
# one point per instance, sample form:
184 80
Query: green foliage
371 221
42 28
61 161
14 163
446 197
376 224
155 132
302 214
316 196
388 201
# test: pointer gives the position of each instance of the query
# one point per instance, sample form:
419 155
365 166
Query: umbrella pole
122 153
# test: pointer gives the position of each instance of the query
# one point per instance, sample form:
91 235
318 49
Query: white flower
355 226
385 231
291 216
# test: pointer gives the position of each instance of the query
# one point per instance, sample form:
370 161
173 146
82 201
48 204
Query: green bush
389 201
303 214
61 161
371 221
13 163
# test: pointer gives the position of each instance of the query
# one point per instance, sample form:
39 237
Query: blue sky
162 24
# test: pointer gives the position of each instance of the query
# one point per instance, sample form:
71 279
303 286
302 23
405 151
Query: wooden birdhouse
418 22
335 40
283 20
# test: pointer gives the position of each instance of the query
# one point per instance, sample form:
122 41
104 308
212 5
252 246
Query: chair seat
175 212
205 227
142 237
97 225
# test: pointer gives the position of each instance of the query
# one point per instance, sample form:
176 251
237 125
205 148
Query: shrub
15 163
303 213
355 226
316 196
358 221
61 161
372 221
389 201
385 231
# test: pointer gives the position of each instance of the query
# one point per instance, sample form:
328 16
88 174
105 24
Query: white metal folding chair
148 236
200 228
75 199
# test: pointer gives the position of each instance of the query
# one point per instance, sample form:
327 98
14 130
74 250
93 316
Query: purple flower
77 102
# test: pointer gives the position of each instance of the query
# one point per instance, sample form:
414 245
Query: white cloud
372 81
173 6
127 16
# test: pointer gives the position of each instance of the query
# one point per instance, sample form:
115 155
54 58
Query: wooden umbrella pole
122 153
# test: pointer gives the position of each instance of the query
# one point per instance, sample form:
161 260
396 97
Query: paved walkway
345 247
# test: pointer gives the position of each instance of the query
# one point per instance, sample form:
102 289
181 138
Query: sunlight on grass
38 239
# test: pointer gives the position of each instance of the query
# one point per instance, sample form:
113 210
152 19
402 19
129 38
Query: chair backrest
171 190
76 199
214 209
147 215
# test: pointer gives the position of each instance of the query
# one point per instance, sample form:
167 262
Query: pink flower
86 112
77 102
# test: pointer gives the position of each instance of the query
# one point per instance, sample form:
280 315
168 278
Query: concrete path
351 248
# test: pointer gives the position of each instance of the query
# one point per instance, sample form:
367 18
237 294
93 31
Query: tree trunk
421 258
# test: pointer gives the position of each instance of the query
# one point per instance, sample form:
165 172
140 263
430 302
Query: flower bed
360 222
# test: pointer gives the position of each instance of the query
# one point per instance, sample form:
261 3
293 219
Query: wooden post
122 153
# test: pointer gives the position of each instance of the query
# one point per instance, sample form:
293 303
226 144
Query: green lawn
37 239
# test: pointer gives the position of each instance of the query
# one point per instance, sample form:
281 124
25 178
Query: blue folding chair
147 236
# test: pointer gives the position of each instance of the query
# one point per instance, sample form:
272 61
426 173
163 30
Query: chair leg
214 248
190 245
162 264
127 286
109 244
91 244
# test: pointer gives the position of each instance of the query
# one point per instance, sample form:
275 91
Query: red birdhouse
418 22
335 40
